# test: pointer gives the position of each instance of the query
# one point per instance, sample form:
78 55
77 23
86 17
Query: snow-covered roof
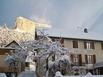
81 36
8 48
27 74
13 43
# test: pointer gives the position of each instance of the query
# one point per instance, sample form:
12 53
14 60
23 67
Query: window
53 39
89 45
90 59
102 45
27 64
75 44
76 59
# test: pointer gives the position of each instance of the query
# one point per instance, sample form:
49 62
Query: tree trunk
37 68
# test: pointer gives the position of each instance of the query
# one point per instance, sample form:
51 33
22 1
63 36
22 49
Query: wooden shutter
102 45
75 44
71 57
86 59
94 59
92 45
85 46
80 59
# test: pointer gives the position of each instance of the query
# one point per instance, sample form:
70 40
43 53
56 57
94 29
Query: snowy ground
27 74
58 74
85 76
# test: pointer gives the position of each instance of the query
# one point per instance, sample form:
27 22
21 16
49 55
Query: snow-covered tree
46 53
8 35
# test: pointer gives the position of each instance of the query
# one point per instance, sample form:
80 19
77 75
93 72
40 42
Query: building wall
2 62
80 50
68 43
4 67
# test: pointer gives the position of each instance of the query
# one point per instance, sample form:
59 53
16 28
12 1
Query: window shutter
92 45
94 59
85 46
102 45
80 59
86 59
71 57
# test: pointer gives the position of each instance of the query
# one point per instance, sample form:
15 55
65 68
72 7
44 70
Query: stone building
86 53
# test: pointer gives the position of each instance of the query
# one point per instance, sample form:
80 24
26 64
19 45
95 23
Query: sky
65 16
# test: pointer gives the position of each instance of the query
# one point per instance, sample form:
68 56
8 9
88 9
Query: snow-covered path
27 74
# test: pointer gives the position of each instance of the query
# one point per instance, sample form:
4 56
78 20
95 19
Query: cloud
64 15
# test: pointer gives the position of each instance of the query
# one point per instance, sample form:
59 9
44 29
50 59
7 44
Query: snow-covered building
5 67
14 44
86 51
9 63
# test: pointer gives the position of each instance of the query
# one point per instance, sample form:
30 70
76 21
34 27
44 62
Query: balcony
89 66
72 50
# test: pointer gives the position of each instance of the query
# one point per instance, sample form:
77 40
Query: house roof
6 48
8 45
81 36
